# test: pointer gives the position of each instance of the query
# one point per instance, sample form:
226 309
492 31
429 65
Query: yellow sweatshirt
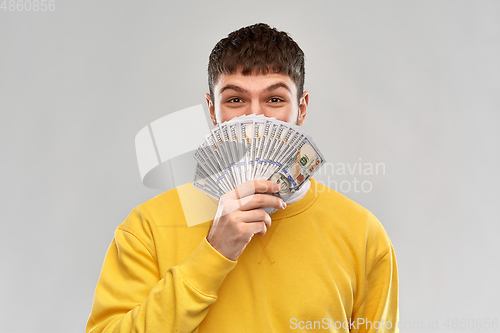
326 264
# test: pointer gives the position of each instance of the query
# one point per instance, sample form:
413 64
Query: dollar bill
255 147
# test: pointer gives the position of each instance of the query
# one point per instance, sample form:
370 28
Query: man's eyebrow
278 85
232 87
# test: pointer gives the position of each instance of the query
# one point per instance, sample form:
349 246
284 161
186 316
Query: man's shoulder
339 203
167 200
346 212
164 208
183 206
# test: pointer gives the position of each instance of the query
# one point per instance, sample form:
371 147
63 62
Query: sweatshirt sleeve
131 296
379 312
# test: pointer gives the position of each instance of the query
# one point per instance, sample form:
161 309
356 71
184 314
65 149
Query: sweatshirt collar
299 206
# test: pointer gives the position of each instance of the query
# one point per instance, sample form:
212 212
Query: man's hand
238 216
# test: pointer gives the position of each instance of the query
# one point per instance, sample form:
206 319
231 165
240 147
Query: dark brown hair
257 49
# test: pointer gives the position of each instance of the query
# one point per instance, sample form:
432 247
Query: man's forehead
254 82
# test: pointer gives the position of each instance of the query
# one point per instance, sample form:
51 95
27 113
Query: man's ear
211 108
304 102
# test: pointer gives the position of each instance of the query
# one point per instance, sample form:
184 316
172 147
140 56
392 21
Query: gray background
412 84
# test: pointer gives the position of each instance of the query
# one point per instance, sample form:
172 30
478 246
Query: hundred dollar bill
296 171
203 171
218 161
286 152
234 145
269 137
274 148
202 181
212 164
232 158
266 132
246 130
223 153
255 147
258 127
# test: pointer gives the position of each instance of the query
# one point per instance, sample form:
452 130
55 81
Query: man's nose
255 108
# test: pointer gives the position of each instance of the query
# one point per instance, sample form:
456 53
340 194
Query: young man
321 261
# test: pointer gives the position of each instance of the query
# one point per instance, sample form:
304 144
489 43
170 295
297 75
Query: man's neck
300 193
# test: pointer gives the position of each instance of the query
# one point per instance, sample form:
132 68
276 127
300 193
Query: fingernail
283 204
276 188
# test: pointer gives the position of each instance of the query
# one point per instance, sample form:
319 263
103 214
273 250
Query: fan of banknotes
255 147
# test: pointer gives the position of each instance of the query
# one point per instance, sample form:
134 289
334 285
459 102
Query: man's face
273 95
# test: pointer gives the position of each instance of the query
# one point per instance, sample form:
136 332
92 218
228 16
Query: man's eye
275 100
234 100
